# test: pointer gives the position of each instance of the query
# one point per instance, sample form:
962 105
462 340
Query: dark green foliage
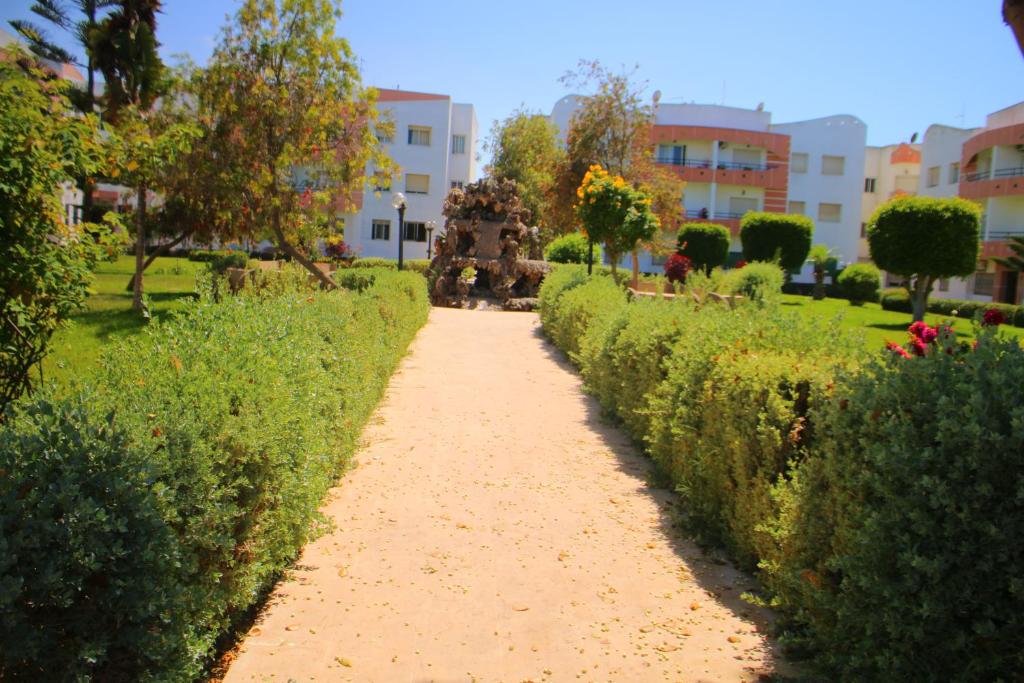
571 248
860 282
897 300
232 259
183 489
706 244
374 262
905 532
207 255
776 236
925 236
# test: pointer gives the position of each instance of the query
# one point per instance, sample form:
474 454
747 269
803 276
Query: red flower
922 332
993 318
918 347
897 349
739 264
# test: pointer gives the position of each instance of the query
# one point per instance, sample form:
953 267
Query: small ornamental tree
778 237
614 213
705 244
820 257
571 248
924 239
45 264
860 282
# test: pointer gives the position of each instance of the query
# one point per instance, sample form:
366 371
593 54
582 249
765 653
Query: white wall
942 146
843 136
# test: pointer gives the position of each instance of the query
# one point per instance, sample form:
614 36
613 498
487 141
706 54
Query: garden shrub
187 485
571 248
896 299
776 236
207 255
677 268
860 282
706 244
576 308
374 262
756 281
232 259
417 265
905 531
556 283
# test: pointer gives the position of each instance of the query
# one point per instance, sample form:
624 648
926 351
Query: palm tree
125 48
821 258
59 15
1015 262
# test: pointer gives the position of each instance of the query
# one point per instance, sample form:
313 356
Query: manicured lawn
169 282
875 325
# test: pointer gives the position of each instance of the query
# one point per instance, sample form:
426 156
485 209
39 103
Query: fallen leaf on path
694 606
344 662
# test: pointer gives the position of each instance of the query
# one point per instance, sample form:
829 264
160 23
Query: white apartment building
889 171
434 145
985 165
736 160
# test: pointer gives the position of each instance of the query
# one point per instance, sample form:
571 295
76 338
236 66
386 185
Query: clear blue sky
899 65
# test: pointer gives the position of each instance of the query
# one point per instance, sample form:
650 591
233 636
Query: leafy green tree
302 124
45 264
525 149
778 237
924 239
705 244
612 128
56 13
614 213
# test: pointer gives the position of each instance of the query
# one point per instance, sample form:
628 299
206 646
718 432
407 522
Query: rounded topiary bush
571 248
778 237
860 282
756 281
706 244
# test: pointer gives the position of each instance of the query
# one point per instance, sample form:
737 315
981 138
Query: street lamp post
430 236
398 201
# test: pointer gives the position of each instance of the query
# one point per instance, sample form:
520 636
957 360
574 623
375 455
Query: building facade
433 145
736 160
985 165
889 171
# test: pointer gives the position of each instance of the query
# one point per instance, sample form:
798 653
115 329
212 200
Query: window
869 185
954 173
415 231
984 283
798 162
863 230
419 135
385 138
381 230
933 176
747 158
830 213
671 154
798 207
417 183
458 144
831 165
458 184
740 205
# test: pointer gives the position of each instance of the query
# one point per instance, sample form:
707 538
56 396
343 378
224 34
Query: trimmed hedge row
143 515
896 299
881 497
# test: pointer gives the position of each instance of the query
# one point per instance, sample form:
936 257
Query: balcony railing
689 163
1000 173
706 215
729 214
723 165
698 213
1003 234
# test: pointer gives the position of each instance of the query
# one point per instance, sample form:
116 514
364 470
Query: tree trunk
287 247
919 290
140 246
819 286
160 251
590 256
1013 15
636 270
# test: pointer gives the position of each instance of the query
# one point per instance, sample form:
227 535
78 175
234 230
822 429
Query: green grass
169 282
875 325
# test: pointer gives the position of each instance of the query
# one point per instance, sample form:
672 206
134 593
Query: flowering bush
335 247
614 213
924 339
993 318
677 267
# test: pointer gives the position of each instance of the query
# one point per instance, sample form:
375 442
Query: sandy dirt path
496 529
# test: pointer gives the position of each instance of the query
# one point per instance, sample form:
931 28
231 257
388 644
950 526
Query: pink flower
918 347
993 318
923 332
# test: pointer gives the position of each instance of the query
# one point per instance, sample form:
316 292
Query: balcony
987 183
726 218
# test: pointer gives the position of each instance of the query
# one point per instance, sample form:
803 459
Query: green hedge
207 255
860 282
776 236
895 299
146 513
880 497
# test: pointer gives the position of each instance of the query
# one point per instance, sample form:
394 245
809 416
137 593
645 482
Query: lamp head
398 201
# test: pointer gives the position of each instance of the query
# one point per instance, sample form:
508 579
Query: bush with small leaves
860 282
776 236
706 244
